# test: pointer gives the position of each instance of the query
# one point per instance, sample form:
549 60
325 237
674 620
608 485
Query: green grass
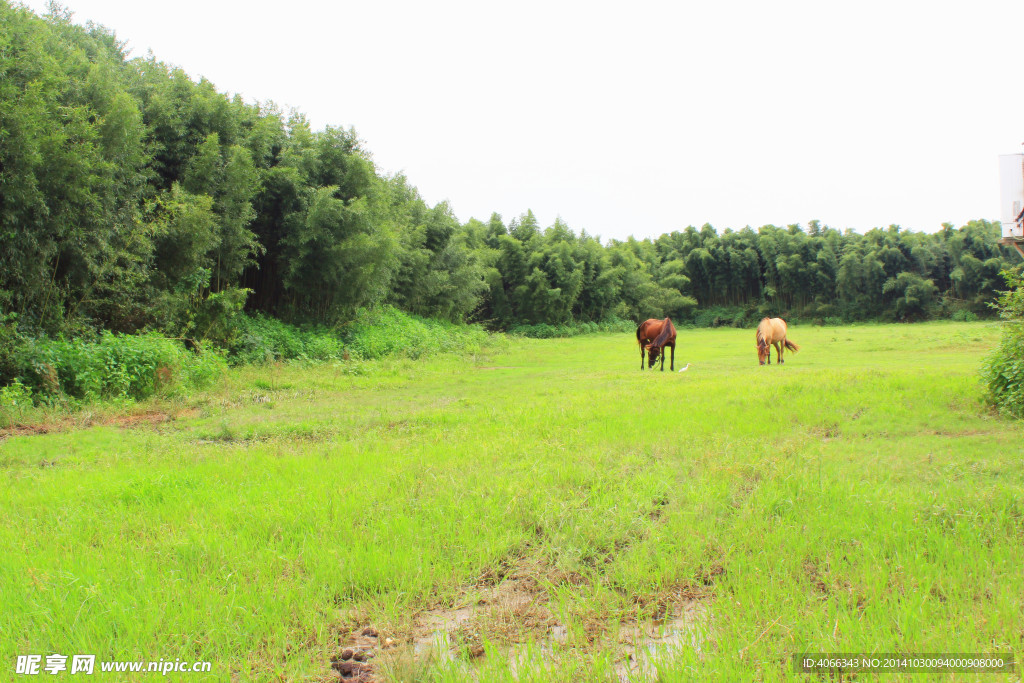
858 498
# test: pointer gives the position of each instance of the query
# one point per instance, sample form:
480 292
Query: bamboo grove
132 197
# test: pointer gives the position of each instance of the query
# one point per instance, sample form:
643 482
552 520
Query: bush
10 343
15 398
201 370
964 316
545 331
388 331
373 334
112 366
259 339
1003 370
718 316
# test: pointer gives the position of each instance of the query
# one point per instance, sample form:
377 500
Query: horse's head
763 351
652 355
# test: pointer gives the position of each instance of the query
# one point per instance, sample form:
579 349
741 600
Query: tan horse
772 332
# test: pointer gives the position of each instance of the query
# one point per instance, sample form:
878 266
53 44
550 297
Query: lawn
543 511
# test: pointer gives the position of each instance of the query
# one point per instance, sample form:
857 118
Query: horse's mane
760 333
666 331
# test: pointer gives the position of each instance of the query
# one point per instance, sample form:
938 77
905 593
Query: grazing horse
772 332
653 336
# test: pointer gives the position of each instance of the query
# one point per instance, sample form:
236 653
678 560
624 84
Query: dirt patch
813 575
509 608
644 644
658 508
638 646
507 604
150 418
709 576
27 430
961 432
828 431
357 651
399 427
251 434
145 418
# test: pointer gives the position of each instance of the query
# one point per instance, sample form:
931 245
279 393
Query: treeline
133 198
694 275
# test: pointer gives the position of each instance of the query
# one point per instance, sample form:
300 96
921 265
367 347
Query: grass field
541 512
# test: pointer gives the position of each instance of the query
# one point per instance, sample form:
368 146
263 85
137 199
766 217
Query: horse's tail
791 346
667 330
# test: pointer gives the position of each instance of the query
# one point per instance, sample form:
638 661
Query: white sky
635 118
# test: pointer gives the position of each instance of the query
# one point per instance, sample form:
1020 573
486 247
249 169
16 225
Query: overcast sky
635 118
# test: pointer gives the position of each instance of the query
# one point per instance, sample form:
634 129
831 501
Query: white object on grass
685 369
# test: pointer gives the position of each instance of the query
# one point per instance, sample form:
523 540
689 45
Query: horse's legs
778 350
641 356
663 359
672 364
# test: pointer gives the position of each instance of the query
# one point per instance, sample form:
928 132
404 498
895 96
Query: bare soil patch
354 660
510 608
132 420
643 644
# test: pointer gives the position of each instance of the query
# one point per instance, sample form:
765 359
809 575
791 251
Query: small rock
347 653
370 631
388 642
351 669
363 655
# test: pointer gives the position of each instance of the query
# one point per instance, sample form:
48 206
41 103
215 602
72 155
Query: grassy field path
544 510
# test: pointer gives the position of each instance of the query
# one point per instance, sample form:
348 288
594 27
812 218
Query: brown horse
653 336
772 332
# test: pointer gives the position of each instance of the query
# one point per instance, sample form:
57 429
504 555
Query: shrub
112 366
259 339
15 395
718 316
739 320
964 316
545 331
1003 370
15 398
386 331
201 370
